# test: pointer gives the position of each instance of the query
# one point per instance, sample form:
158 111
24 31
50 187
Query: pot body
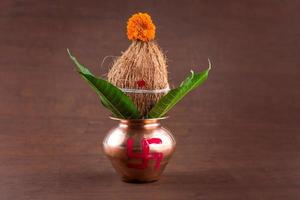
139 150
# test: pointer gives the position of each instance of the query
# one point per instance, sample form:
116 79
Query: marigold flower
140 27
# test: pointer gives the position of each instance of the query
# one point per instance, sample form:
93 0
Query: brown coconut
141 66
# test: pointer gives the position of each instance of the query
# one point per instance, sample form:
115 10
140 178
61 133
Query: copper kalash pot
139 149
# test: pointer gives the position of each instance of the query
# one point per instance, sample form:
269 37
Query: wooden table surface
238 136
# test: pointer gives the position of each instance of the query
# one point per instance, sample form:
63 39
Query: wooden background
238 135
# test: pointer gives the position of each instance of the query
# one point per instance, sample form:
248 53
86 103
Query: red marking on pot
145 154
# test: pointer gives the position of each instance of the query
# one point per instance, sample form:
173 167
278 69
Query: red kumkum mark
141 83
145 155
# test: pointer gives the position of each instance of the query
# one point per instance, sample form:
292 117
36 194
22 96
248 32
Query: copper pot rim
139 121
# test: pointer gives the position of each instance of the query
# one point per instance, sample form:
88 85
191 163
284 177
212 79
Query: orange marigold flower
140 27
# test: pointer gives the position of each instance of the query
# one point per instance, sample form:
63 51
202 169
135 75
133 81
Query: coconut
141 71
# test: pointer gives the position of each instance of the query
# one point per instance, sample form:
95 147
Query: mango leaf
111 97
175 95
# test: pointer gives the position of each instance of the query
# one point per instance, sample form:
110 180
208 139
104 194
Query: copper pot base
137 181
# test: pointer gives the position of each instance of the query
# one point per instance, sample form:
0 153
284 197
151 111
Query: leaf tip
70 55
209 64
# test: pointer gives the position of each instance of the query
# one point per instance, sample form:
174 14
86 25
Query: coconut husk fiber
143 62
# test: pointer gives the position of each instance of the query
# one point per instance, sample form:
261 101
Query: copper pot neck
139 122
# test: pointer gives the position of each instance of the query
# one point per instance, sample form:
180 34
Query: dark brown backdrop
238 135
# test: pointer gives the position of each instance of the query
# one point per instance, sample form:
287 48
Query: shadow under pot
139 149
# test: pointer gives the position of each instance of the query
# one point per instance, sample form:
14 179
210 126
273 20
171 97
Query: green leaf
175 95
111 97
